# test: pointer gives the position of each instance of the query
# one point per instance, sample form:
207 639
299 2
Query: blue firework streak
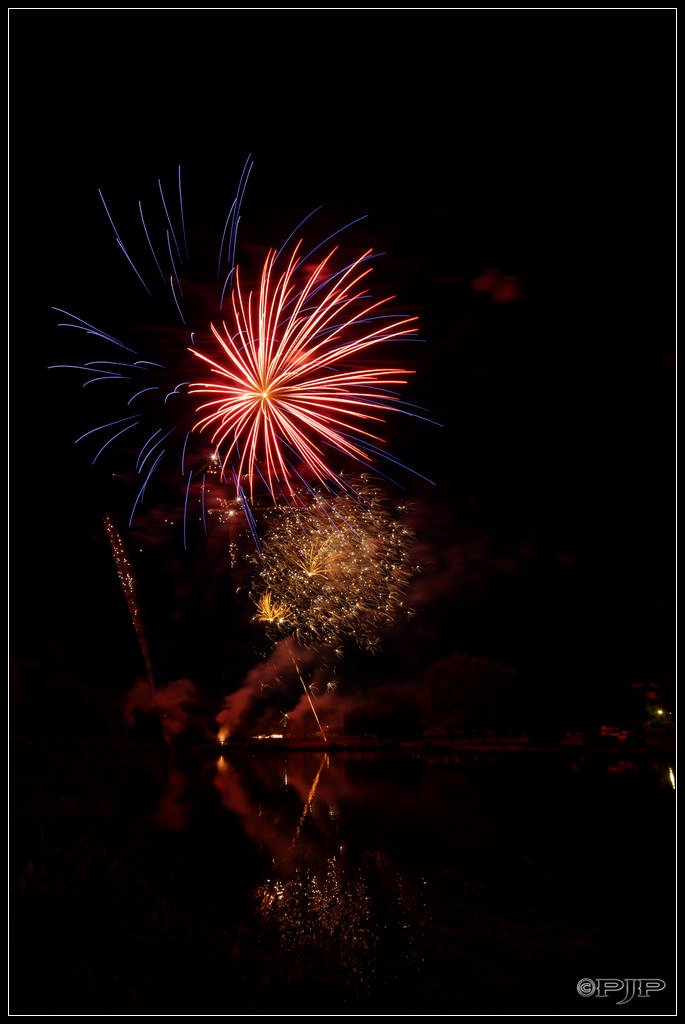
151 389
152 393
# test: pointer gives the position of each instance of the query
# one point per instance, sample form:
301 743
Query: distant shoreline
461 746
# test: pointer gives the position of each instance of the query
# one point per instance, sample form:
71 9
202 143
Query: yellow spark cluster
269 610
339 567
319 558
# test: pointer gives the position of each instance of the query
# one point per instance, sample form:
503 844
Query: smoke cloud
167 702
277 675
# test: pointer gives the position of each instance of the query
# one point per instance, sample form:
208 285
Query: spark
362 553
269 610
318 559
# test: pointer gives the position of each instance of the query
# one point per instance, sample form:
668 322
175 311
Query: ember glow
286 380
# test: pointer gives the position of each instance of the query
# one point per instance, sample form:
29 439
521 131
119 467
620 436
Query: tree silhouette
469 695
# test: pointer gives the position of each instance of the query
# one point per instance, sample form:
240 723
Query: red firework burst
289 381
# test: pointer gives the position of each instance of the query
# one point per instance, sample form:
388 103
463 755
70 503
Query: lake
397 882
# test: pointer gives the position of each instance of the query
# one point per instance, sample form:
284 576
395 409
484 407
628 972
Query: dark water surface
331 883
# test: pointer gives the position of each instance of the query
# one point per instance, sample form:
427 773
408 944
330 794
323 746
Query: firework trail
309 699
271 383
128 583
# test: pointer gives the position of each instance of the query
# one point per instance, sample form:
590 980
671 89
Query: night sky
515 168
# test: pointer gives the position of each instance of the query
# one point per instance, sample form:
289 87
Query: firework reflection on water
362 917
